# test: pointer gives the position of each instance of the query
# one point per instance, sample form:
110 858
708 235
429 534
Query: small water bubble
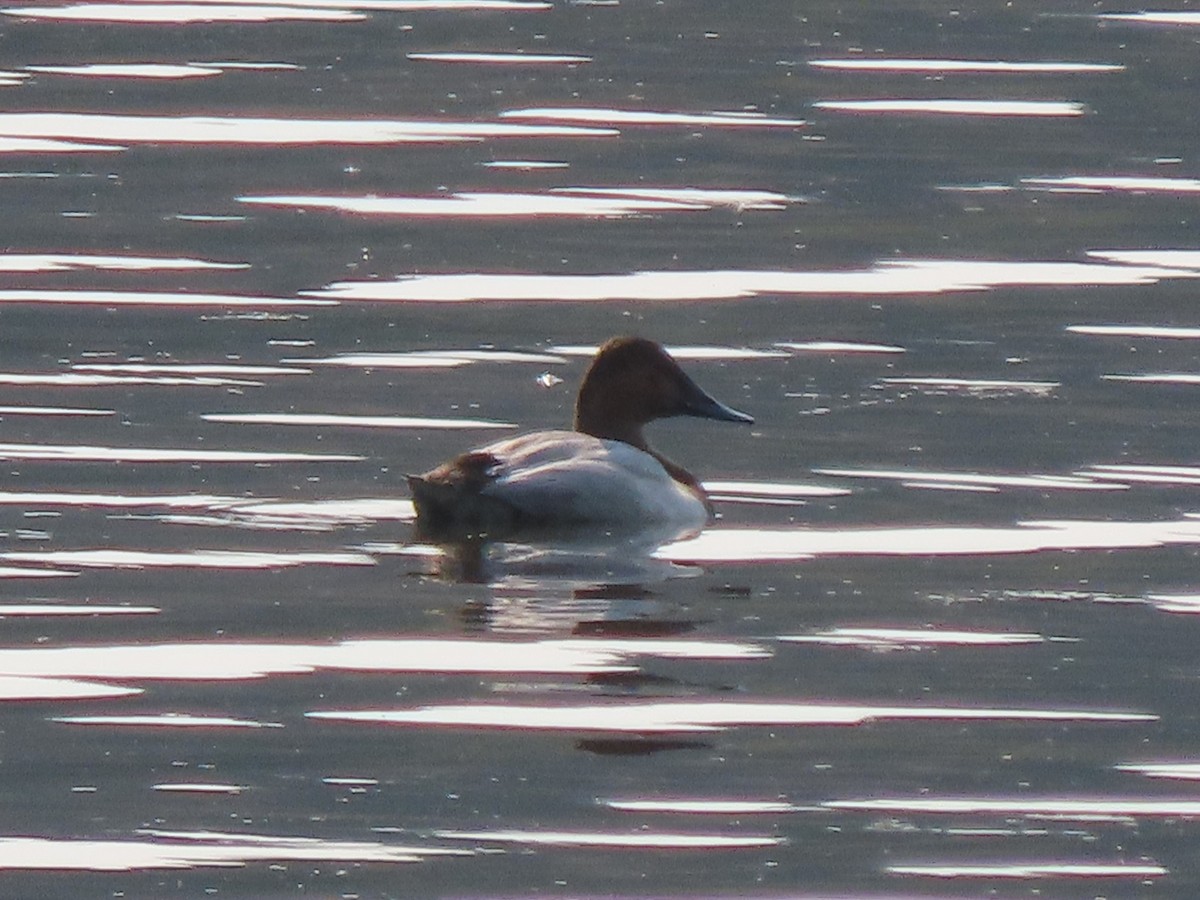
548 380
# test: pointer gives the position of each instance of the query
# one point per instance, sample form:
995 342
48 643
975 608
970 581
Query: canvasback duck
603 472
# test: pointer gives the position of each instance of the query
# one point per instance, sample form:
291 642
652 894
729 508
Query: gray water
940 640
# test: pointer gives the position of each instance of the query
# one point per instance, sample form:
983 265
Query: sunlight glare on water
888 278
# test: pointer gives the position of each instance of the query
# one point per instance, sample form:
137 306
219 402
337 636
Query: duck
602 472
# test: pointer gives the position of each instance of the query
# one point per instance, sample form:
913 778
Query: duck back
555 477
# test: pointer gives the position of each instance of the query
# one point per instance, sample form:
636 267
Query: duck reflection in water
600 476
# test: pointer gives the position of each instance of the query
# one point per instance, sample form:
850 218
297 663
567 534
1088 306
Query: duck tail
450 502
434 501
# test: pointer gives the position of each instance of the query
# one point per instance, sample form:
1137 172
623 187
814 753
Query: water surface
263 259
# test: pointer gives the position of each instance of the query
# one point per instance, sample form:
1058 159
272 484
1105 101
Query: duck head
632 381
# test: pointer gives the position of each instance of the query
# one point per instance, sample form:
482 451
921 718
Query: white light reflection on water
911 638
249 66
43 145
886 278
1058 808
1170 332
429 359
1145 474
166 720
172 501
188 369
232 661
130 129
955 107
689 806
153 298
975 386
157 71
1156 378
69 609
1184 259
258 522
881 64
1184 604
198 788
18 572
187 850
1132 184
180 13
66 262
697 716
14 687
625 840
603 116
197 217
129 70
251 11
692 353
525 165
1180 771
262 512
318 512
85 453
1031 870
768 491
572 201
924 478
329 419
703 197
184 559
717 545
483 205
1155 18
515 59
79 379
839 347
55 411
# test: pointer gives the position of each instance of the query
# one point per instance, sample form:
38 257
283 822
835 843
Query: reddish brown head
633 381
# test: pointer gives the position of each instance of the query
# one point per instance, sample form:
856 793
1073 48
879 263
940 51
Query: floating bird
602 472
